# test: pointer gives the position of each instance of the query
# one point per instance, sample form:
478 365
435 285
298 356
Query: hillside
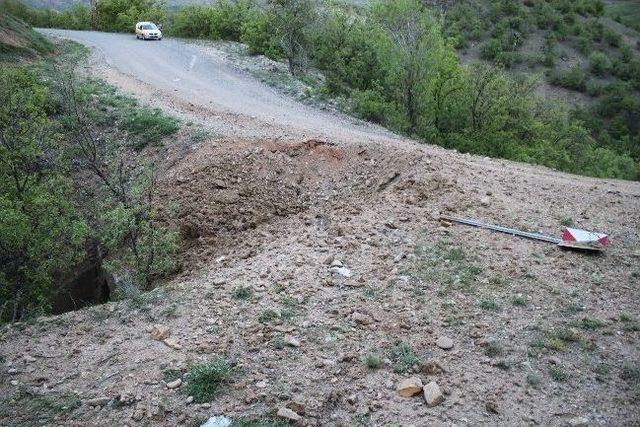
316 275
18 39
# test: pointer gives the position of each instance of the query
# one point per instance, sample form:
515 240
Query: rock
28 358
361 319
173 343
291 341
219 281
409 387
217 421
288 414
137 415
578 422
174 384
335 262
444 343
432 394
431 367
189 400
342 271
485 201
160 332
297 405
98 401
491 407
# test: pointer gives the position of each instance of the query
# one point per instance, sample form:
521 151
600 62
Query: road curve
187 72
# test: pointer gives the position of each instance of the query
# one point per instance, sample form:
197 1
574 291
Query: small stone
491 407
578 422
98 401
432 394
342 271
160 332
328 260
409 387
485 201
431 367
217 421
288 414
361 319
138 415
173 343
335 262
174 384
444 343
189 400
219 281
29 359
291 341
297 405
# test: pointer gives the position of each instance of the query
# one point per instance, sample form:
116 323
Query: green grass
558 374
204 380
403 357
150 126
588 324
268 315
373 361
446 265
489 304
258 421
493 348
518 300
242 292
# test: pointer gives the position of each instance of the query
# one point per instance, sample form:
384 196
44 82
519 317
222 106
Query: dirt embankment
345 260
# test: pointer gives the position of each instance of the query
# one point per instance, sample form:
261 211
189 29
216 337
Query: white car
148 31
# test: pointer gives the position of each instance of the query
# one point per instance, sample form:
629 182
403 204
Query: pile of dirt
322 274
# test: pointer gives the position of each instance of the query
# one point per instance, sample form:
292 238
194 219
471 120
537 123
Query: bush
612 38
122 15
204 380
573 78
257 33
491 49
599 63
41 234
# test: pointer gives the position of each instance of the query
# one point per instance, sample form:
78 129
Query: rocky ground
320 271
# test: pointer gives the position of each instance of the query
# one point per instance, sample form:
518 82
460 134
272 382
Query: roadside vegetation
373 62
74 175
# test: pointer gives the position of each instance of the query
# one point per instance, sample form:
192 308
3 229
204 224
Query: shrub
491 49
572 78
599 63
612 37
403 357
257 33
204 380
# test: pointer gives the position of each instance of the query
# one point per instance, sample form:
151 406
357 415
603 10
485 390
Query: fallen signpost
572 238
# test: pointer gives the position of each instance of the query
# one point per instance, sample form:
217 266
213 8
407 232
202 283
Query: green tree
41 235
291 20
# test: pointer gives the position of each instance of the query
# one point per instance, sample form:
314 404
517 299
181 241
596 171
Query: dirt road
204 81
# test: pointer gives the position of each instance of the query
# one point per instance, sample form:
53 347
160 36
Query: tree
41 235
292 19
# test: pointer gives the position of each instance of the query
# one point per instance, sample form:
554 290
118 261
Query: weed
602 372
370 291
243 292
518 300
558 374
268 315
373 360
534 379
448 266
278 342
489 304
150 125
630 373
572 309
493 348
203 380
49 404
630 324
587 324
171 374
403 357
566 222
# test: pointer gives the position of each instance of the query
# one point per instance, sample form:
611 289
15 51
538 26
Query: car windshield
149 27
